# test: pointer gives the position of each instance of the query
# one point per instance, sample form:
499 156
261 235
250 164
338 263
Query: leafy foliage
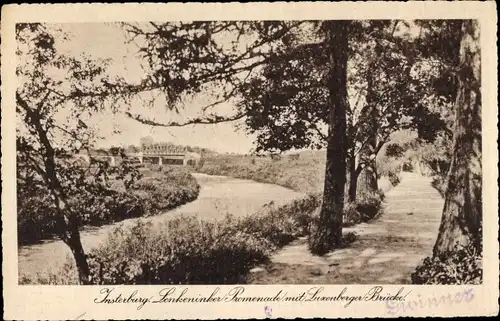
462 265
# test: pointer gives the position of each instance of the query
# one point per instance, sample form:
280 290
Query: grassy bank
155 191
187 250
302 172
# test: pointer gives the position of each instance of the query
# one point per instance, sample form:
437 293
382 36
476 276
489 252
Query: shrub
183 251
439 183
304 212
463 265
284 224
364 209
351 215
394 178
369 206
390 166
347 238
188 250
35 219
156 191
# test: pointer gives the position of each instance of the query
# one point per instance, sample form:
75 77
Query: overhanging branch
215 119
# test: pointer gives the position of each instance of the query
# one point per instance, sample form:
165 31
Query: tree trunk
329 233
67 220
367 180
75 244
352 179
69 227
462 214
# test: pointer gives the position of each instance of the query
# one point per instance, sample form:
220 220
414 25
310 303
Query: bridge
158 154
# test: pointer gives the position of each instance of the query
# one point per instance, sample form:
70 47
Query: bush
439 183
463 265
284 224
167 190
351 215
394 178
390 168
184 251
364 209
156 191
347 239
369 206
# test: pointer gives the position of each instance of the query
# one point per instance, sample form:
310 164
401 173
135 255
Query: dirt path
387 251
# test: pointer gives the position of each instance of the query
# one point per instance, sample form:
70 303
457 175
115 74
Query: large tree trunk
462 214
71 236
75 244
329 233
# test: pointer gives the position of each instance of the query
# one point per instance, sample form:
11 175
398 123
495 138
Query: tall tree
56 95
263 68
462 213
331 215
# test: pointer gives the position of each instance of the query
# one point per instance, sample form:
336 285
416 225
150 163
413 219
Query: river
218 195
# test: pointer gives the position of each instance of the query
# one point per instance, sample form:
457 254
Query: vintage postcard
256 160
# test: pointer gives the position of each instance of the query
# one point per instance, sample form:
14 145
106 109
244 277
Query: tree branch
209 120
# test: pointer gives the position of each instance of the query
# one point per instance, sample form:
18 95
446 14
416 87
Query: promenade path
387 251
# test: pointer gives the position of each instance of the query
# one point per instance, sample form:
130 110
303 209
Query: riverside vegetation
156 191
190 250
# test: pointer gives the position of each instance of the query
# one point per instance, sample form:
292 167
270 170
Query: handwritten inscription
110 295
433 302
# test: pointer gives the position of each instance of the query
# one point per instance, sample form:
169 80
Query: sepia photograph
249 152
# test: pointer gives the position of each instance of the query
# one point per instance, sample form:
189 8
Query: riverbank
302 172
218 197
157 190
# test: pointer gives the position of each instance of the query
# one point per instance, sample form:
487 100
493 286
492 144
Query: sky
104 40
109 41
